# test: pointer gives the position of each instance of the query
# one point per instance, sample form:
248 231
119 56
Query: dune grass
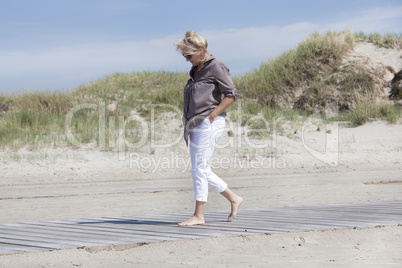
38 119
388 40
366 111
296 67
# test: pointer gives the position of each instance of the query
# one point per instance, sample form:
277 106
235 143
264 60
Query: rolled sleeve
224 81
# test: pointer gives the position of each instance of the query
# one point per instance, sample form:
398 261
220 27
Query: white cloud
258 43
378 20
242 49
87 57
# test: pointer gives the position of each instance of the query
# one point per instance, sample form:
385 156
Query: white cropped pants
203 139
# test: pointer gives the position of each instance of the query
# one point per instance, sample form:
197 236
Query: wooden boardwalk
106 231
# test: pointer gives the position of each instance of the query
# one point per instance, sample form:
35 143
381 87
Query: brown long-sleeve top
203 92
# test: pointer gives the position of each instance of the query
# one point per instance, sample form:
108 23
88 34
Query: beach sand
343 165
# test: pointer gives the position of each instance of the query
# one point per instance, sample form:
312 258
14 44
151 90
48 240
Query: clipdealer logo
118 130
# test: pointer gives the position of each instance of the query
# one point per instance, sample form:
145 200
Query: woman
204 120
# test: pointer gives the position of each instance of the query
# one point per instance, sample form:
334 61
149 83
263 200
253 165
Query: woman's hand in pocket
211 117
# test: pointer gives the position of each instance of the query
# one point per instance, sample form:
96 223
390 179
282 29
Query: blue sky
56 45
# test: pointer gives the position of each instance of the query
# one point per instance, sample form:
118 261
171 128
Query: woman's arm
225 103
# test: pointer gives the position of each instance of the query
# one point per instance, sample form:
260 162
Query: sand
373 247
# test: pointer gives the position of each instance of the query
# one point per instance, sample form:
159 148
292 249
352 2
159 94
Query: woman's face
195 58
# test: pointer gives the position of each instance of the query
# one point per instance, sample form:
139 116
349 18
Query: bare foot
235 206
192 221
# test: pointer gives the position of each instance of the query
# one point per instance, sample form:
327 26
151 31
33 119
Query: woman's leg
199 153
198 217
202 144
235 202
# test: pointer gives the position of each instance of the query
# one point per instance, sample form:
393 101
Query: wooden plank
150 234
315 214
144 229
310 218
314 218
256 228
51 243
32 243
107 238
71 234
174 229
11 248
379 210
19 237
332 209
322 209
12 251
295 220
223 227
80 229
59 236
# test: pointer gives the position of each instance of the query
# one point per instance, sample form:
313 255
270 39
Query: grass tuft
387 40
370 110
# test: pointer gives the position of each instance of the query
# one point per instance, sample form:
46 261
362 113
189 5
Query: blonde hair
192 42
